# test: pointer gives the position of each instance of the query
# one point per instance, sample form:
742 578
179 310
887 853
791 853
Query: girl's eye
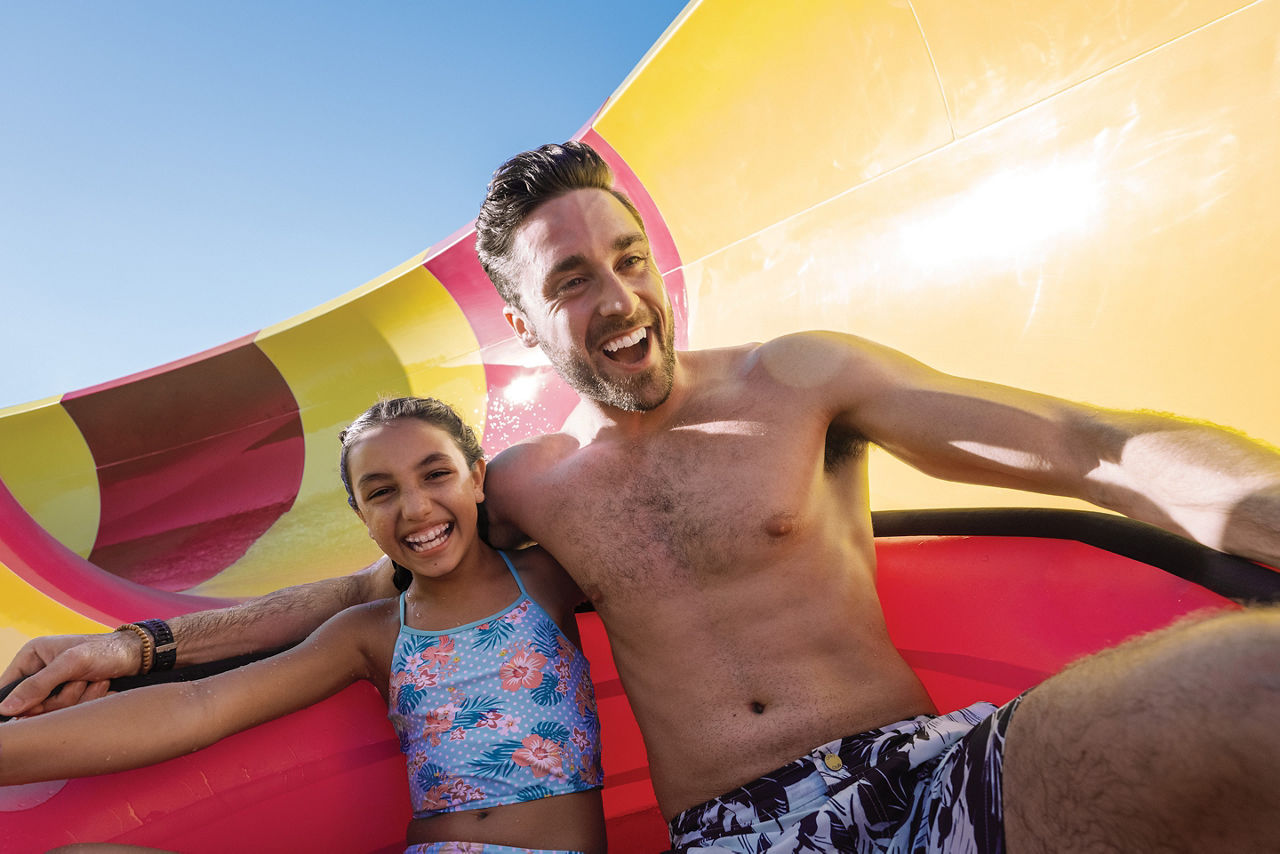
377 493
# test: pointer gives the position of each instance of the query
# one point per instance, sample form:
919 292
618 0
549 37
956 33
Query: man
713 505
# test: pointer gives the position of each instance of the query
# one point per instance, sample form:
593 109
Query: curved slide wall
1076 198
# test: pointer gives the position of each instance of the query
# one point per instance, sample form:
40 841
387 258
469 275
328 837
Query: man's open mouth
630 348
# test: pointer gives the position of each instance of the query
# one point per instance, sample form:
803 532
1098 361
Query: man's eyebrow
626 241
570 262
566 264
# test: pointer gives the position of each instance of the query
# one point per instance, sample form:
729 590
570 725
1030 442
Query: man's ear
521 326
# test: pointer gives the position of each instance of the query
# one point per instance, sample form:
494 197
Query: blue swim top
498 711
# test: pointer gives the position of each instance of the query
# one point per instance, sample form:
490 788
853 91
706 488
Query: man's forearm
1213 484
275 620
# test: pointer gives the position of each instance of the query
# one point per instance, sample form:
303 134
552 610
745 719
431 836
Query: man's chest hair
681 505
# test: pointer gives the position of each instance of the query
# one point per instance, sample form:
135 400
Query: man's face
594 301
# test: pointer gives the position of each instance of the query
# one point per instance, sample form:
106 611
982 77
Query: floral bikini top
498 711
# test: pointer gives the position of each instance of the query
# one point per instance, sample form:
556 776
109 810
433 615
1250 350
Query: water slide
1072 197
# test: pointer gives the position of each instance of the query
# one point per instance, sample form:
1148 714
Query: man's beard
636 393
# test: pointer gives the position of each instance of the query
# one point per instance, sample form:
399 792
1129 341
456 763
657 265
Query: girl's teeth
427 539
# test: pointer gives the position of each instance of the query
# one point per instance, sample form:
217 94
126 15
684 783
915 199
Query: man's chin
639 392
631 394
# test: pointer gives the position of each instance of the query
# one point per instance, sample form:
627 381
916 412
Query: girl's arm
82 664
159 722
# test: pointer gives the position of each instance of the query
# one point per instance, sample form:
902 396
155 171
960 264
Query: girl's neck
475 590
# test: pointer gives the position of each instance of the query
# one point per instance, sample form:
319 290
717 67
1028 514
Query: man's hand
82 664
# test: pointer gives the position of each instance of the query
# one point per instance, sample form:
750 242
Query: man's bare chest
683 507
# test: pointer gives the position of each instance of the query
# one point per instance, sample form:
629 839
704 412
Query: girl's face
416 495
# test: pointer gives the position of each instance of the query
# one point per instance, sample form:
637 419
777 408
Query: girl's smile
416 495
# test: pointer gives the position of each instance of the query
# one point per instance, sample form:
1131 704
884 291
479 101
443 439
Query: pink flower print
592 774
516 614
434 798
563 670
462 848
418 672
461 792
450 793
541 755
398 680
491 719
457 734
438 653
522 670
510 722
438 721
585 697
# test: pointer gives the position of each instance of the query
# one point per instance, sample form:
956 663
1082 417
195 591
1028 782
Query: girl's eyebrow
427 461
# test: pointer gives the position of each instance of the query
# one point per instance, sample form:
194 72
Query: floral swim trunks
929 785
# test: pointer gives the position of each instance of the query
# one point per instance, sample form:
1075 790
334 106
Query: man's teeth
626 340
429 538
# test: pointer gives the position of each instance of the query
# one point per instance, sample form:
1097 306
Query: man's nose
617 296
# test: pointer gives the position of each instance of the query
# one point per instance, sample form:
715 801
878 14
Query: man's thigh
1160 742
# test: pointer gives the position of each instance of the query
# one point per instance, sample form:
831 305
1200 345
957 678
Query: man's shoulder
808 356
528 458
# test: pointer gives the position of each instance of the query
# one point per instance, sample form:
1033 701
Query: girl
478 659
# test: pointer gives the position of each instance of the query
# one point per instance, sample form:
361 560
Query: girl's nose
416 504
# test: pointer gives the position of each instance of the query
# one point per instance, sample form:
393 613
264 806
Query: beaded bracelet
148 645
166 650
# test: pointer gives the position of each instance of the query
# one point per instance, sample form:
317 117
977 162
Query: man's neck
592 419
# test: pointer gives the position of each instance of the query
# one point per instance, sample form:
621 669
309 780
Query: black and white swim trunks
928 785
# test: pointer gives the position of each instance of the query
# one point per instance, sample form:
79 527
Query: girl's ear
477 479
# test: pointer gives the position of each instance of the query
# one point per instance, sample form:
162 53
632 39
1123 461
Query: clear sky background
175 175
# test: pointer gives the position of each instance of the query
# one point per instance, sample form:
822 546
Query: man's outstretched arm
1210 483
84 664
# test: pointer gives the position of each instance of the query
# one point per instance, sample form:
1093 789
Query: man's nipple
780 524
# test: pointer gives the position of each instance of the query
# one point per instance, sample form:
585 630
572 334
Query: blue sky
174 175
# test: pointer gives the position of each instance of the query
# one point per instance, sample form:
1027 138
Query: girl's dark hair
522 184
427 409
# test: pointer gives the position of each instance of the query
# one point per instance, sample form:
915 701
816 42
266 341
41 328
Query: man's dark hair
522 184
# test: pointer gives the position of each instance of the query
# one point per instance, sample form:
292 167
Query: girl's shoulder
370 627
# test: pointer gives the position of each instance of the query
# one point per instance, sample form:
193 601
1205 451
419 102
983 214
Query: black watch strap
166 652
